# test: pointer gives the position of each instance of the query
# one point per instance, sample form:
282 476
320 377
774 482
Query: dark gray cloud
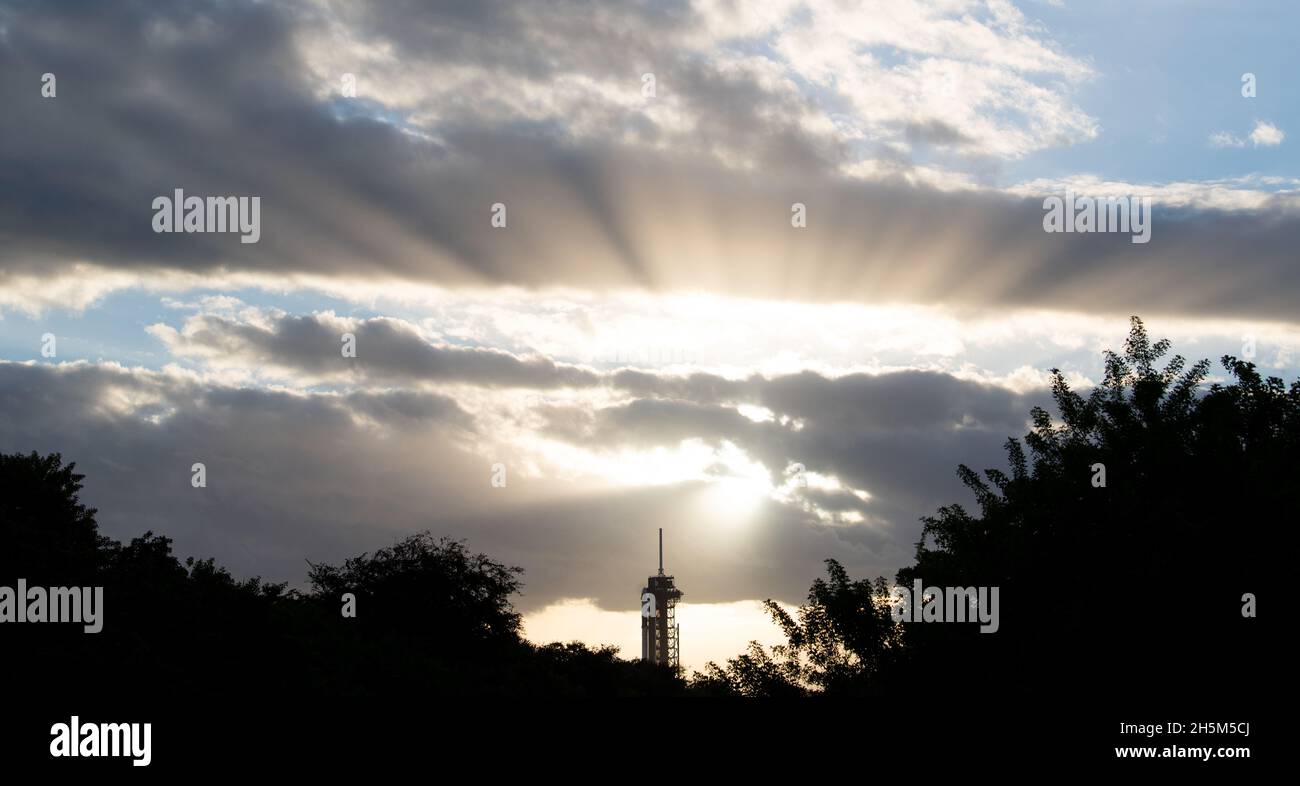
665 408
584 35
701 388
898 436
216 98
937 133
289 476
322 476
387 351
891 434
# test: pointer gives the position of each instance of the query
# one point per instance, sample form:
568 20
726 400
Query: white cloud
1226 139
1245 193
1266 134
839 73
996 84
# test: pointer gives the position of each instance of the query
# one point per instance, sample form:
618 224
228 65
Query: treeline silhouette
1135 588
431 618
1136 585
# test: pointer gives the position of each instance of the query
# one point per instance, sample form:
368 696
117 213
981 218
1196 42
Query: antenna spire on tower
661 551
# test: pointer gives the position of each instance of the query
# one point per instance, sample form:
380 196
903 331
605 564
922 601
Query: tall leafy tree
1131 584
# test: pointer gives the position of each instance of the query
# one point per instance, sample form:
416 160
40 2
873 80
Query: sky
760 274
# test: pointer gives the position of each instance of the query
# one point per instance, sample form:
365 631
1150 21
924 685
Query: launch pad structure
660 634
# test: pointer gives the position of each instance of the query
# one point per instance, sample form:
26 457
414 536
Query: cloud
1226 139
1262 195
730 80
309 350
606 414
605 190
289 475
327 474
1266 134
873 432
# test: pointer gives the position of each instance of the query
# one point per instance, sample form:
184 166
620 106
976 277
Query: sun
737 485
737 495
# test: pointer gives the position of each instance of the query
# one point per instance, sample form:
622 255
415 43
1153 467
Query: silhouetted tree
754 674
433 619
432 588
1135 586
48 535
842 641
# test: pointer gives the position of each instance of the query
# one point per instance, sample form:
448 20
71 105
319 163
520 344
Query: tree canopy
1137 583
